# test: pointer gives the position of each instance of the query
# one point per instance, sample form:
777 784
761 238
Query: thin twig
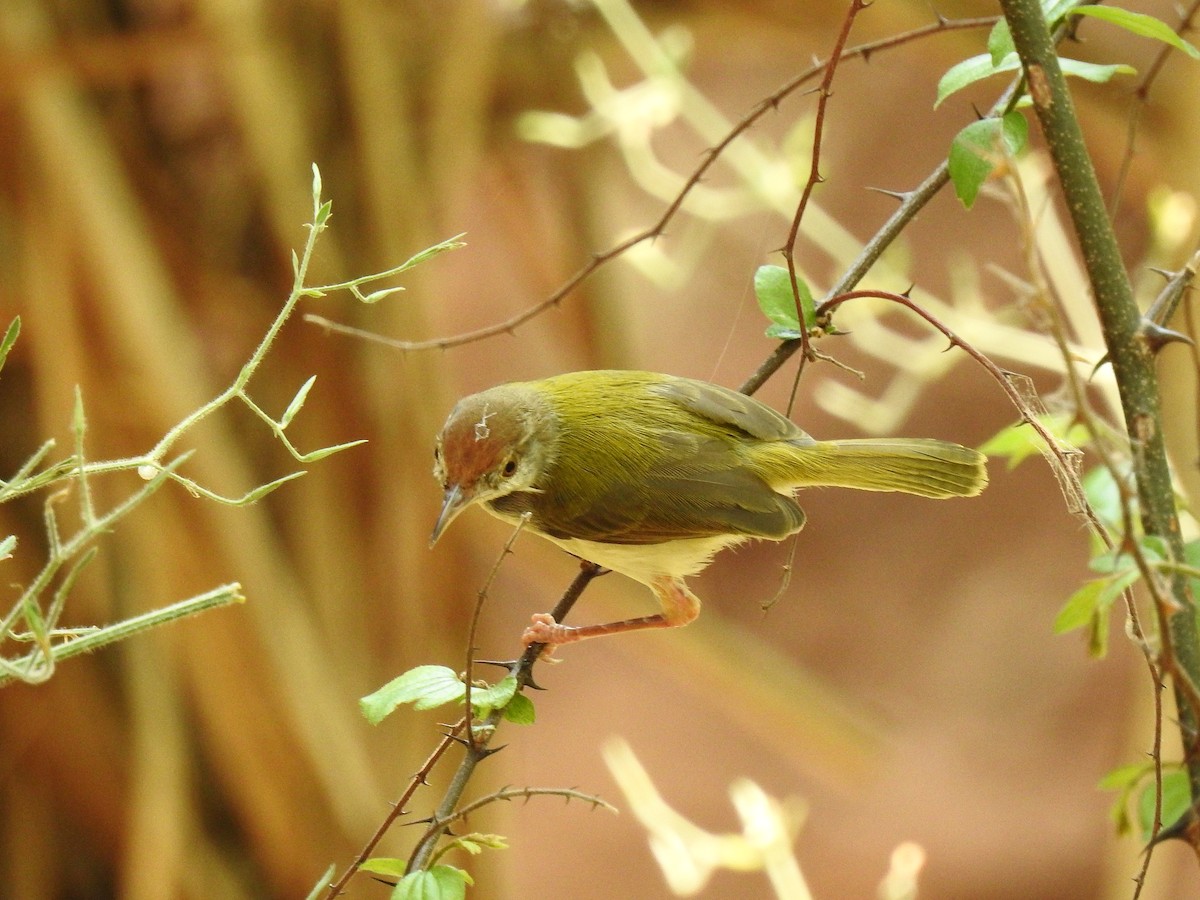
526 793
399 808
23 668
824 92
480 597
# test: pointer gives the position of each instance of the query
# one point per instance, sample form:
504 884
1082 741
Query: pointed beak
454 502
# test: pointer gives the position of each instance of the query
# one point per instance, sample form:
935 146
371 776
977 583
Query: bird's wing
697 491
730 409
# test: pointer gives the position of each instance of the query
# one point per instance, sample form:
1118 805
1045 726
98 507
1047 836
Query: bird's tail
922 466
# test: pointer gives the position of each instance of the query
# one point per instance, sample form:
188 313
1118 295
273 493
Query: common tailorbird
650 475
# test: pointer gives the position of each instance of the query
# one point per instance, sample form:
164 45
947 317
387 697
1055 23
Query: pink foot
544 630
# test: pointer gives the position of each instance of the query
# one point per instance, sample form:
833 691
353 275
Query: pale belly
644 562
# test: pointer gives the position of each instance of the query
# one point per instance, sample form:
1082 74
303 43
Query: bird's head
494 443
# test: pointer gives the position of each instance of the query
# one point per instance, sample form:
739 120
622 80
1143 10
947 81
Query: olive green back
641 458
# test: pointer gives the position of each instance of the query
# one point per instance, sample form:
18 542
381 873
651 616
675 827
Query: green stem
300 270
1131 355
36 668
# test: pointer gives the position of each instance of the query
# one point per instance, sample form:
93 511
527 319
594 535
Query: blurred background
154 178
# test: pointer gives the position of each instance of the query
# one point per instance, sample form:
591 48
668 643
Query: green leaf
1176 797
387 866
1093 599
1081 607
321 453
1104 496
34 621
1000 42
484 700
1139 24
1018 441
262 490
1095 72
1116 585
1056 10
977 68
1118 814
1097 639
1191 553
382 293
437 883
1015 131
7 546
1117 560
476 842
424 687
520 710
430 252
1191 556
1154 548
1001 56
10 338
1109 561
316 184
297 402
972 159
979 149
78 418
1124 777
773 288
324 211
971 70
1089 607
1124 780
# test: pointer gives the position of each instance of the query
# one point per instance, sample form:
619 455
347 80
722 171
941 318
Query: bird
650 475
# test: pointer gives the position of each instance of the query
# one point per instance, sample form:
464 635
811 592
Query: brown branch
419 778
824 92
480 597
526 793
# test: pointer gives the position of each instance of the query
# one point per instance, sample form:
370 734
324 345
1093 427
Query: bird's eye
510 468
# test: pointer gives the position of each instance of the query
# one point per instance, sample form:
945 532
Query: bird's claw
544 630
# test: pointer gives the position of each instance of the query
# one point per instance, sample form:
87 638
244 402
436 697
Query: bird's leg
679 606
